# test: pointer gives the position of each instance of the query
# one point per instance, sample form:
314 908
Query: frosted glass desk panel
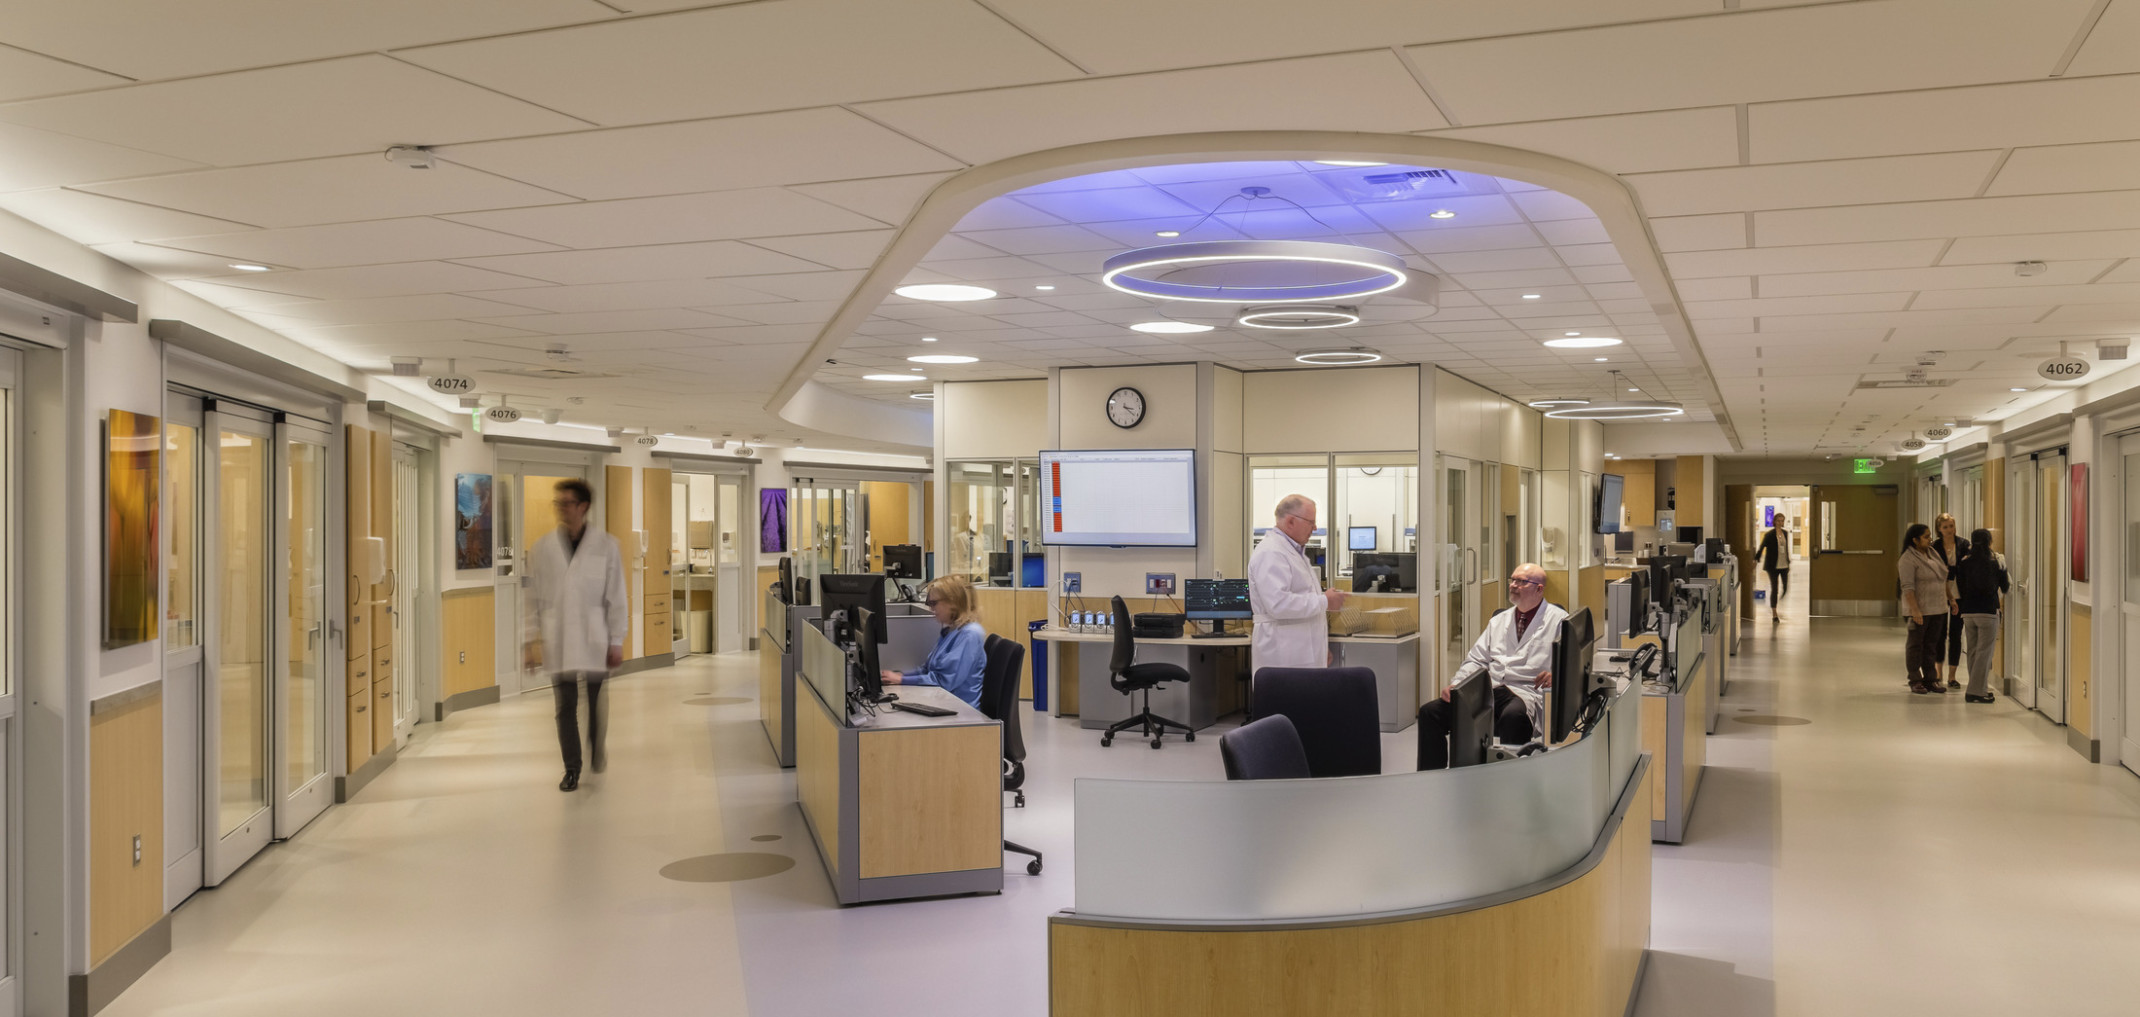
909 638
1302 850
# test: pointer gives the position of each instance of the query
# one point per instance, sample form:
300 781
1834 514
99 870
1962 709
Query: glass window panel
182 447
1271 478
241 664
1377 492
305 515
1555 532
2132 529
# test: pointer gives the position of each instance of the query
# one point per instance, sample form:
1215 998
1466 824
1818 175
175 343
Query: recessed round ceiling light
1600 360
1339 358
924 396
1256 272
1167 233
2017 390
1348 162
942 358
1441 213
244 267
928 338
888 377
1043 287
1534 296
1634 390
944 291
1559 401
1588 342
1299 318
1571 333
1169 327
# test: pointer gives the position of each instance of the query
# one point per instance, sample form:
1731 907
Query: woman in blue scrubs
955 664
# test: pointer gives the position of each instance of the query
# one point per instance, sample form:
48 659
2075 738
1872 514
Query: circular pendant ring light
1557 402
1348 357
1617 411
1299 318
1255 272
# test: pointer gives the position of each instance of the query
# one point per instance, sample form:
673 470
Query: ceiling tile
1573 231
95 219
1972 277
626 296
360 243
1495 261
2110 166
24 74
799 147
2055 111
885 199
1750 56
721 215
634 264
2044 247
749 58
1801 185
1798 305
332 107
1631 143
983 126
1963 218
1435 243
590 322
806 285
1701 232
2113 46
321 191
404 279
1811 258
2029 296
411 332
833 250
381 310
38 158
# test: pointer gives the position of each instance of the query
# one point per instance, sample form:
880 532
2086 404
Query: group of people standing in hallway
1952 590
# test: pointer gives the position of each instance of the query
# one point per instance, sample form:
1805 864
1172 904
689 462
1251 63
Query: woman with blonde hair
956 662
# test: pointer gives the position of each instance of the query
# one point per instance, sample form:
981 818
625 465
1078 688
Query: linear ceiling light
1169 327
941 358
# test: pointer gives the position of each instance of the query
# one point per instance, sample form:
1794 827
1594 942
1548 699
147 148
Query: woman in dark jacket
1951 548
1775 555
1981 578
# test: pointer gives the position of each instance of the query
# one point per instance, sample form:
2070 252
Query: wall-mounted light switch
137 849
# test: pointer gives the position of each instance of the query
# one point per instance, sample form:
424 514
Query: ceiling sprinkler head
411 156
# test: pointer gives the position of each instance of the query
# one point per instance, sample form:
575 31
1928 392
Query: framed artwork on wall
133 500
772 521
471 520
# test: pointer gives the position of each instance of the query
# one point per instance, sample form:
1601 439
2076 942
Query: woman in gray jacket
1924 598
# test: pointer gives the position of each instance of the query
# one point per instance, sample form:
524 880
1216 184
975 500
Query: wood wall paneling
817 771
952 821
888 517
468 640
1656 728
1639 493
617 511
1690 482
125 801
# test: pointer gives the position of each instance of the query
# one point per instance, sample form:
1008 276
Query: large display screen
1609 489
1118 498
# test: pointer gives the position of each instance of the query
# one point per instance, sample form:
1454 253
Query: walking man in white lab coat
1288 600
576 581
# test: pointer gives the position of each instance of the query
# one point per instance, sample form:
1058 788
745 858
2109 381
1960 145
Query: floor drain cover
1771 720
715 701
727 868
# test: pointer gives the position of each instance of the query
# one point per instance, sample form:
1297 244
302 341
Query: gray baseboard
2085 745
646 663
87 994
347 787
465 701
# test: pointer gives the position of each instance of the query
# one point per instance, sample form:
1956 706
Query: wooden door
1857 533
1738 536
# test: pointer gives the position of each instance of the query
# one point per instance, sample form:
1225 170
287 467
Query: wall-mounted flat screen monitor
1118 498
1609 488
1360 538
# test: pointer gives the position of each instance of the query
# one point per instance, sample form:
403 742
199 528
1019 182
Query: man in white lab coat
1287 598
576 587
1515 653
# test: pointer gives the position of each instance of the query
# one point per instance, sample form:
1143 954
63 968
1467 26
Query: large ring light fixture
1618 411
1183 272
1299 319
1349 357
1557 402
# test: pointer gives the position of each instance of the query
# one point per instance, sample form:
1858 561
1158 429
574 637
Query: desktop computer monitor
902 561
1033 570
1688 535
1665 570
1623 542
1571 676
1217 601
851 595
1315 558
1471 721
999 568
1398 571
1713 550
1638 614
785 589
1361 538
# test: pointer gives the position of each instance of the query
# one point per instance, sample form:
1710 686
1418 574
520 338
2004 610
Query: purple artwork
772 521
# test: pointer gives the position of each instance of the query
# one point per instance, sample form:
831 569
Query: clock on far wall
1125 407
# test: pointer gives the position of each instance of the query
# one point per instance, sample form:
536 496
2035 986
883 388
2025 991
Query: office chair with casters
999 701
1267 749
1130 678
1336 710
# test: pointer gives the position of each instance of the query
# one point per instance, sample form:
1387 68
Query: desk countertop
888 719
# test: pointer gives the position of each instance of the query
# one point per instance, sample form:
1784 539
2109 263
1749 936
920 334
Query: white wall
1170 421
1331 409
994 419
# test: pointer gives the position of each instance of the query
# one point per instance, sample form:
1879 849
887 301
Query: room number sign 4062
2062 369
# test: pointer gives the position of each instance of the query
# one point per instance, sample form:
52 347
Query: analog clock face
1125 407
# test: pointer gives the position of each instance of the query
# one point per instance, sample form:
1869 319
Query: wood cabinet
357 605
617 495
358 714
654 566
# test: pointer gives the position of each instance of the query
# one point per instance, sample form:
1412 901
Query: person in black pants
1775 555
1516 654
1951 549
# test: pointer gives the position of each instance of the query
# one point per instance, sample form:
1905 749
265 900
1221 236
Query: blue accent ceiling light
1256 272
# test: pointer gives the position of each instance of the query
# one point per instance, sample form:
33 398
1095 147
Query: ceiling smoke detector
411 156
2026 269
551 416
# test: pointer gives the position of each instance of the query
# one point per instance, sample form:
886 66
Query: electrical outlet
1073 582
1159 584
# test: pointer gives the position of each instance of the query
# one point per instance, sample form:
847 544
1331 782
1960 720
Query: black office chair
999 701
1267 749
1130 678
1336 710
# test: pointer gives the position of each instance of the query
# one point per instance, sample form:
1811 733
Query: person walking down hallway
1775 555
1285 595
1924 599
1950 547
576 588
1980 580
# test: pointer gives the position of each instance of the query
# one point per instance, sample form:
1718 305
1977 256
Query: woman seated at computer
1516 654
955 664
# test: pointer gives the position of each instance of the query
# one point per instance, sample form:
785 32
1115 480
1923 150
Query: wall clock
1125 407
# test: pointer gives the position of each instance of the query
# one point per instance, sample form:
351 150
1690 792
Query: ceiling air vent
1906 383
1395 184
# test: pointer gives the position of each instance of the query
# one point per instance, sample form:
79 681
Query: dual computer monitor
1471 726
853 606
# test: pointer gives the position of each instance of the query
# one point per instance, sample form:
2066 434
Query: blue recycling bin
1038 653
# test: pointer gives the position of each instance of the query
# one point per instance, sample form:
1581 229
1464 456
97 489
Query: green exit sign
1865 466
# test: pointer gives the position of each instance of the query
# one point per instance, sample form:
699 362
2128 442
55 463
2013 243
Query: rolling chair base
1152 725
1032 868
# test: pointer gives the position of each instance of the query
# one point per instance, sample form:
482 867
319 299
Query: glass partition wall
1365 502
993 508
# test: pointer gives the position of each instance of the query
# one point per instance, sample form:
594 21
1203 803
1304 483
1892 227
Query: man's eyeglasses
1526 582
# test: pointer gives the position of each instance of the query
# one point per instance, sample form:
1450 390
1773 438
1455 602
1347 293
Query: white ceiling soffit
822 408
1615 206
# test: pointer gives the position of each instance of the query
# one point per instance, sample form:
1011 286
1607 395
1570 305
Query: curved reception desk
1517 887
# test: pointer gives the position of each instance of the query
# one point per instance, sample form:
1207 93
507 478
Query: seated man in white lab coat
1288 599
1516 654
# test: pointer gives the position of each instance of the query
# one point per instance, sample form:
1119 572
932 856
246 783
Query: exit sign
1864 466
